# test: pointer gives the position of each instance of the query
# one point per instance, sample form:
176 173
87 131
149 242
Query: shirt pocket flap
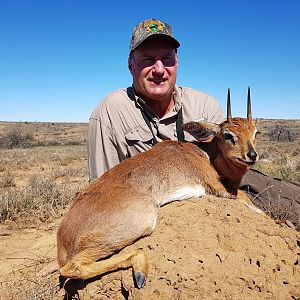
139 133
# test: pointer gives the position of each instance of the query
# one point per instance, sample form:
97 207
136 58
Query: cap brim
173 41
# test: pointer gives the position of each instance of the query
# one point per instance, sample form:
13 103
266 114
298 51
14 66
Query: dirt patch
210 248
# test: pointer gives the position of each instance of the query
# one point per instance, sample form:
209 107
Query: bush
281 133
41 198
17 139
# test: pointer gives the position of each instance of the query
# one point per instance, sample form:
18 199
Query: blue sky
59 58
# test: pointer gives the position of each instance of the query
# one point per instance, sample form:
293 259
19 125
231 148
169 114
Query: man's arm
103 153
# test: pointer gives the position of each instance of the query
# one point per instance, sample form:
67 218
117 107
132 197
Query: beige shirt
117 129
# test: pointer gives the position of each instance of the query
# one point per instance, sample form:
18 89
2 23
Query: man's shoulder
112 102
195 95
189 90
200 105
114 98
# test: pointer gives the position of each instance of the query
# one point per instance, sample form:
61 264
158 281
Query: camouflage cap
150 28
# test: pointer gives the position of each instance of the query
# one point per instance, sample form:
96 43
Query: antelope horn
249 114
229 117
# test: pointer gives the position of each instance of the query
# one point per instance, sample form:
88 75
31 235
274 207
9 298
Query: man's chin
157 93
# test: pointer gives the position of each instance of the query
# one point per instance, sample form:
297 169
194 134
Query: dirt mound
210 248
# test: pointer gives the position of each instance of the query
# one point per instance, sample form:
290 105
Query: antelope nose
252 155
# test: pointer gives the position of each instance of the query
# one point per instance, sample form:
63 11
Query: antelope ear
201 131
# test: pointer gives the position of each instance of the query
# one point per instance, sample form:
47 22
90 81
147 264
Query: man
132 120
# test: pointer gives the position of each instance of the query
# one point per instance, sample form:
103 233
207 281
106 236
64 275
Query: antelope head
235 137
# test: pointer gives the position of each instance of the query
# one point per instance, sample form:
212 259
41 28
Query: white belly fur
183 193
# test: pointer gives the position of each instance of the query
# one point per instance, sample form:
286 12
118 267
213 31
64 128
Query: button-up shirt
117 128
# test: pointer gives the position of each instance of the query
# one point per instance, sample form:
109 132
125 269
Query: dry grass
44 133
37 183
280 159
41 199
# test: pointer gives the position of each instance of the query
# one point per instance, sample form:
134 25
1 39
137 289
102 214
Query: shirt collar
177 98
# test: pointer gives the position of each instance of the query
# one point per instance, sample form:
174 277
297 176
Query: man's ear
130 64
202 131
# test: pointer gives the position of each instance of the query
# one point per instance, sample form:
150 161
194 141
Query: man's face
153 66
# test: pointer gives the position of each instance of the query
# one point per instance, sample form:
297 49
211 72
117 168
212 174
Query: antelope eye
228 136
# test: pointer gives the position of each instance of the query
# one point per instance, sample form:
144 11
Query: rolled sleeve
102 151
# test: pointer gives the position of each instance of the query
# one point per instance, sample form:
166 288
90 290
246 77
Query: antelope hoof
140 279
232 196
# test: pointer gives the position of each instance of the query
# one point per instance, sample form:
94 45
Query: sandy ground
207 248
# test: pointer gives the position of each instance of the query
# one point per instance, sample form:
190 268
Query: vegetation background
42 165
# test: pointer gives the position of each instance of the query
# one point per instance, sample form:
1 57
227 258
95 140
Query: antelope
122 205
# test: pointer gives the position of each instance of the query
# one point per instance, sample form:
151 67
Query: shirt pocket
139 134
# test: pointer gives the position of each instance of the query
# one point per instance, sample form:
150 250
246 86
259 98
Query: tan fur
245 134
122 205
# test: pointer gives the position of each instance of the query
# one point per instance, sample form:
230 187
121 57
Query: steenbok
122 205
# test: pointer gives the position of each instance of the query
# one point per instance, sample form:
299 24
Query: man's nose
158 66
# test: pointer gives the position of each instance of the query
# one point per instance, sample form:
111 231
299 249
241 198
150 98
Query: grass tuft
41 198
